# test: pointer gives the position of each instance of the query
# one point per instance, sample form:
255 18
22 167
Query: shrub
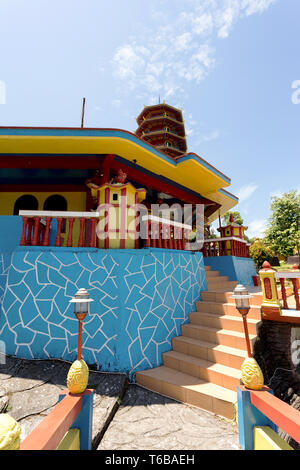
260 252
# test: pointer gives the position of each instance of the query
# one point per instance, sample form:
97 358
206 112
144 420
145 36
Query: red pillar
58 233
47 231
81 232
23 236
35 238
93 232
29 231
70 234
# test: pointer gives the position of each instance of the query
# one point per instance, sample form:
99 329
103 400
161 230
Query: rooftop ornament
78 374
252 376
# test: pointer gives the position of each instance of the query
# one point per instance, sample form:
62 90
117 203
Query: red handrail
280 413
50 432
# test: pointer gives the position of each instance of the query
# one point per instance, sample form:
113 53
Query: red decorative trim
123 218
268 288
106 227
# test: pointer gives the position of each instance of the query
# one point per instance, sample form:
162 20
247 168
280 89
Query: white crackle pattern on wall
141 298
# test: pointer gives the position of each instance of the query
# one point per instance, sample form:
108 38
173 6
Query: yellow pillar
269 289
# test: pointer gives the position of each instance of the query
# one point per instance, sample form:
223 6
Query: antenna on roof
82 114
158 99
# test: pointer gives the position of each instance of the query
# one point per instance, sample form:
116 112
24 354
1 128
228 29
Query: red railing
36 227
280 413
165 233
293 277
230 246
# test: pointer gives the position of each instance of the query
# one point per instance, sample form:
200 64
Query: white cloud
116 103
180 50
256 228
246 192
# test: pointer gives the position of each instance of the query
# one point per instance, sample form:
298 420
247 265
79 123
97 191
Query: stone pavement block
33 401
149 421
8 366
108 388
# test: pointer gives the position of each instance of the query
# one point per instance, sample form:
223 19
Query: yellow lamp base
10 432
78 376
252 376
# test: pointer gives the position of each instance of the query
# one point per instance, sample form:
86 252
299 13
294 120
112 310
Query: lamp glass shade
81 307
241 297
81 301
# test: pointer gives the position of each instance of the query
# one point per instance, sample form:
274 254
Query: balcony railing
165 233
37 225
227 246
280 304
294 278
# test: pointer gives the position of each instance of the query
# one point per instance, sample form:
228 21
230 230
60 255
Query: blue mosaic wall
141 298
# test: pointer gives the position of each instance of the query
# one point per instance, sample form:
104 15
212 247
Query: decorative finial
122 176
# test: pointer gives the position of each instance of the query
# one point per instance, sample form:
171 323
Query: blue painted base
237 269
141 299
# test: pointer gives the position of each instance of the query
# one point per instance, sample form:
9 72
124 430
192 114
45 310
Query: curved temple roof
188 170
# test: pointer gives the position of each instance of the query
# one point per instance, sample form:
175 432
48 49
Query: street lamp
252 376
242 303
78 374
81 302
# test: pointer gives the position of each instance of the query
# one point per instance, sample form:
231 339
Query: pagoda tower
162 126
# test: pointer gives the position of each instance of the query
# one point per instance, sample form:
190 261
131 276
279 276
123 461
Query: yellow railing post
270 305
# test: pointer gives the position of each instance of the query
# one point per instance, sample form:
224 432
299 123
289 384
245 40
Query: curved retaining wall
141 298
237 269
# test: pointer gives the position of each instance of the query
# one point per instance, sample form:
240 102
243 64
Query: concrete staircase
203 369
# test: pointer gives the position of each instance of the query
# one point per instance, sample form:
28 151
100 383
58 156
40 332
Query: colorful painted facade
54 184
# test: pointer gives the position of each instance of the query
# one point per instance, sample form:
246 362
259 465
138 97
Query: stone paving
125 416
149 421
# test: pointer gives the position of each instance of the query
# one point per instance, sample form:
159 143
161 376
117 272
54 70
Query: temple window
27 203
57 203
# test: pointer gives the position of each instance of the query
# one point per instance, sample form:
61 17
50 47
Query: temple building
73 205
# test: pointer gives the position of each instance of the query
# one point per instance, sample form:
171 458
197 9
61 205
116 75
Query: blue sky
230 65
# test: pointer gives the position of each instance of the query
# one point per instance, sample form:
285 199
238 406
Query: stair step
233 339
216 296
212 274
227 309
189 389
231 357
217 279
218 374
221 286
228 322
207 268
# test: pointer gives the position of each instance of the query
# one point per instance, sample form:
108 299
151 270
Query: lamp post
242 304
78 374
252 376
81 302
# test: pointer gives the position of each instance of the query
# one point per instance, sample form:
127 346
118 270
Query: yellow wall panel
267 439
71 441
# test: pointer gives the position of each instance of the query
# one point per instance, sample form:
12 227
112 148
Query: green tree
260 252
237 219
283 232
